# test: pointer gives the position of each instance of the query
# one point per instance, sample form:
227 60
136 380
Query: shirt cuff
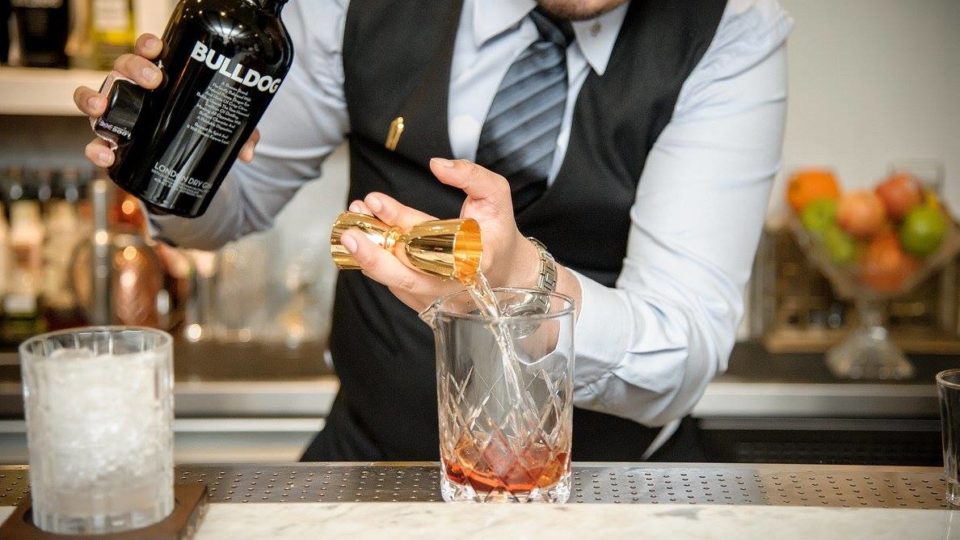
217 226
603 330
156 224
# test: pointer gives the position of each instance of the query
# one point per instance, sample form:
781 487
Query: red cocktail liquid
498 468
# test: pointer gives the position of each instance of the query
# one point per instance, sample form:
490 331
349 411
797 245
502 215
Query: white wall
872 81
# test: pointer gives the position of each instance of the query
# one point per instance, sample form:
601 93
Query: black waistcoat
397 56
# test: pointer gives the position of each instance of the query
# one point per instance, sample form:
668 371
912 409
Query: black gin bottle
223 62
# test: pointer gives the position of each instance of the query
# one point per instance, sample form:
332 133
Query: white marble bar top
398 521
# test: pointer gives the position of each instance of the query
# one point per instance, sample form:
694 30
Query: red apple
900 193
861 213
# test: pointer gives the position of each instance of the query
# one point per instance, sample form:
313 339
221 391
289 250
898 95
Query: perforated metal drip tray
784 485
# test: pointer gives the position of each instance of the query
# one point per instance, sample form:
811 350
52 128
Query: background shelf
43 92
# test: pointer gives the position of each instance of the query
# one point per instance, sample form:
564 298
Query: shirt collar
596 36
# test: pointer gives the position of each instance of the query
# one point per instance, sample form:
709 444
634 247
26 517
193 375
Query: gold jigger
449 248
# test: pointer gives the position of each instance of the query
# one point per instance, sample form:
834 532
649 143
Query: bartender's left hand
508 259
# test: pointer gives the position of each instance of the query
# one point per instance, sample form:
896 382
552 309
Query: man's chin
578 10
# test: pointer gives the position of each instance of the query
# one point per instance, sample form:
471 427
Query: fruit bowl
873 246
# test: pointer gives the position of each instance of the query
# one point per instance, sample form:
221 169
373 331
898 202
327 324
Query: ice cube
99 416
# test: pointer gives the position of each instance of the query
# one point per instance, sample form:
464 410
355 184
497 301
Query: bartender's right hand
139 68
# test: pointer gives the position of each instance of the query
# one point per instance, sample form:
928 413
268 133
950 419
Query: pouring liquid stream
486 301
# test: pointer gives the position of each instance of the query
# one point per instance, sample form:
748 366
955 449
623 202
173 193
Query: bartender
635 140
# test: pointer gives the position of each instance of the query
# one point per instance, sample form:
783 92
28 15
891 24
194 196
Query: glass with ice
99 411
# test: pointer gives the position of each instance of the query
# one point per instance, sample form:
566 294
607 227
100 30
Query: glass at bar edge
948 387
99 412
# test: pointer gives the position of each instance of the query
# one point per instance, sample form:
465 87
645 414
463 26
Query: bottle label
223 108
187 185
27 258
236 72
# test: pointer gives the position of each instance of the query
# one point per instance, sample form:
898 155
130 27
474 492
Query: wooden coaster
189 507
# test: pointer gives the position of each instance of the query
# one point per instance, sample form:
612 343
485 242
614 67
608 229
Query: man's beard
575 10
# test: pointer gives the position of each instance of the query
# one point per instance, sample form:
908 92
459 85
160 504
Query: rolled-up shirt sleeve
304 123
647 349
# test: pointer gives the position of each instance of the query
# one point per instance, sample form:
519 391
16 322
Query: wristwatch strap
547 276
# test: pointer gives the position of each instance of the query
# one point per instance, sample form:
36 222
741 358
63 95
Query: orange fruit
808 185
885 266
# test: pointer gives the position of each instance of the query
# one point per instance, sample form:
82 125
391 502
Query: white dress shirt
647 348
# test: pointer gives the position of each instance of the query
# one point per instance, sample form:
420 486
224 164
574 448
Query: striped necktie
520 133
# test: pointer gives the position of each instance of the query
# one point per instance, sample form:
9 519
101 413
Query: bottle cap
12 185
124 103
44 179
67 185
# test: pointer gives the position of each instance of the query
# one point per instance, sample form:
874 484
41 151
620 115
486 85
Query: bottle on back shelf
4 32
4 253
223 62
71 185
65 231
42 29
10 177
79 47
41 182
12 184
75 188
112 30
21 304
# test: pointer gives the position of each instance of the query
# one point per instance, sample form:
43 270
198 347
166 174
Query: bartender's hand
139 68
509 259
